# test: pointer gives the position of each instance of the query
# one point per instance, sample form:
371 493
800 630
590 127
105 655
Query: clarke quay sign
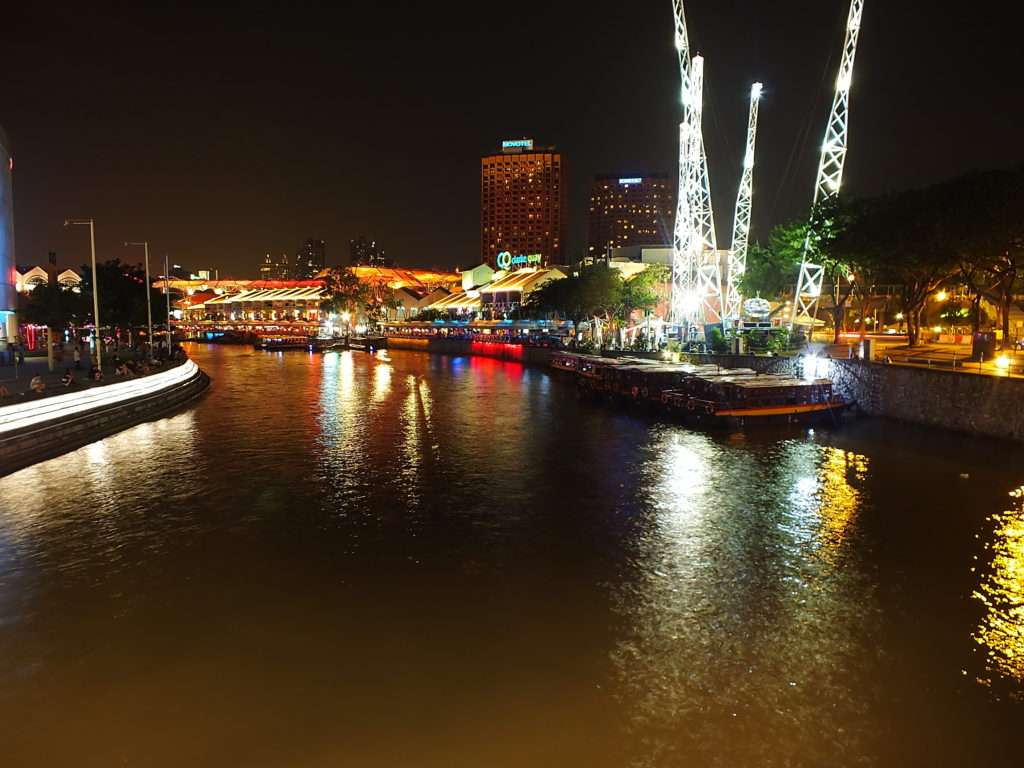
507 261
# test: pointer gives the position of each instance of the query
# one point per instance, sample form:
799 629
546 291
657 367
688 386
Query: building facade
510 292
366 253
522 202
27 279
630 211
310 260
275 269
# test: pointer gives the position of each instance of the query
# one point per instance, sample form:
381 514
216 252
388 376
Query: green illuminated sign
506 260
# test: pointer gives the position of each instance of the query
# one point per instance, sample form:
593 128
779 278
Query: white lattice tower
830 169
703 244
685 304
741 221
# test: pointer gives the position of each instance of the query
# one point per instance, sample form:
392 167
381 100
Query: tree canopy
345 292
600 293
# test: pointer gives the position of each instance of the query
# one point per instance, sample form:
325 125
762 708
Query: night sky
222 135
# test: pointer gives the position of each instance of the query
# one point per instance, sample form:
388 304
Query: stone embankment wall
21 447
759 363
990 406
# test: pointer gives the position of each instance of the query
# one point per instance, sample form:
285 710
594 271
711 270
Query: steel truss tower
684 289
830 170
741 221
704 245
696 274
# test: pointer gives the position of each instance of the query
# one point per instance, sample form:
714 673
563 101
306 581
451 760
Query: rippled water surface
405 560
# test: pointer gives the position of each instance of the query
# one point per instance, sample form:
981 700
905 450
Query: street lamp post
95 286
149 308
167 293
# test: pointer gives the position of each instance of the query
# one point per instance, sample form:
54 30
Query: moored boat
276 343
707 393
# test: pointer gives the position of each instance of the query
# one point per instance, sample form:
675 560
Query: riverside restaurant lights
23 415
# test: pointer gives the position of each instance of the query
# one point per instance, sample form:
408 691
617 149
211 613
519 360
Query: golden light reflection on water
825 495
418 444
1000 636
837 497
148 450
381 381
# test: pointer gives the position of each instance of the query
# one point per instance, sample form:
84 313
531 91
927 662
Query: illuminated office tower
630 210
522 202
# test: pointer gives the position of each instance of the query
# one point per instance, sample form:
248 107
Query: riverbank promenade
38 425
15 380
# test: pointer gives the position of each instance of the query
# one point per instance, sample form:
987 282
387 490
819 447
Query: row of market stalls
497 298
479 293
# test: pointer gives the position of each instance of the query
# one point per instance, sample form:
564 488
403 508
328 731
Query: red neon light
496 349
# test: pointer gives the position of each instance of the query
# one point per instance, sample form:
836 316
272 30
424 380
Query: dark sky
220 135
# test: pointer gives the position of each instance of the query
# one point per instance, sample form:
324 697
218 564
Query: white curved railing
23 415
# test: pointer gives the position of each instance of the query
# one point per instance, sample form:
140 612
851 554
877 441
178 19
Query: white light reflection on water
341 418
742 615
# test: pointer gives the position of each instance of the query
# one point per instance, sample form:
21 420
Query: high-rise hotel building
630 210
522 202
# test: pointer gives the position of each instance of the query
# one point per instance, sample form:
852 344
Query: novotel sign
507 261
631 180
517 144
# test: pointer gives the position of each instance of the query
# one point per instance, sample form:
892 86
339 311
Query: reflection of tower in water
746 603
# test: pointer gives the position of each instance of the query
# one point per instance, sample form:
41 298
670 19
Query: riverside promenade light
95 286
22 415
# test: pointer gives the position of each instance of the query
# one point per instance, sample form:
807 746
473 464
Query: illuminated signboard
631 180
507 261
517 144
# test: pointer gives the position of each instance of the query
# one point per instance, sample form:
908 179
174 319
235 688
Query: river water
413 560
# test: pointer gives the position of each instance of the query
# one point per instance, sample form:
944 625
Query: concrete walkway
16 379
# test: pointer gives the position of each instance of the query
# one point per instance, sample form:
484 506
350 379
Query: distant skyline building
366 253
522 202
310 260
276 269
630 210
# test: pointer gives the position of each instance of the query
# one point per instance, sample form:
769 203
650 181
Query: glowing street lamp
941 296
95 285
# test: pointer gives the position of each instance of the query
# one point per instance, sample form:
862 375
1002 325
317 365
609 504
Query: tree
992 239
641 292
345 293
772 270
902 238
596 293
122 294
829 219
54 306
